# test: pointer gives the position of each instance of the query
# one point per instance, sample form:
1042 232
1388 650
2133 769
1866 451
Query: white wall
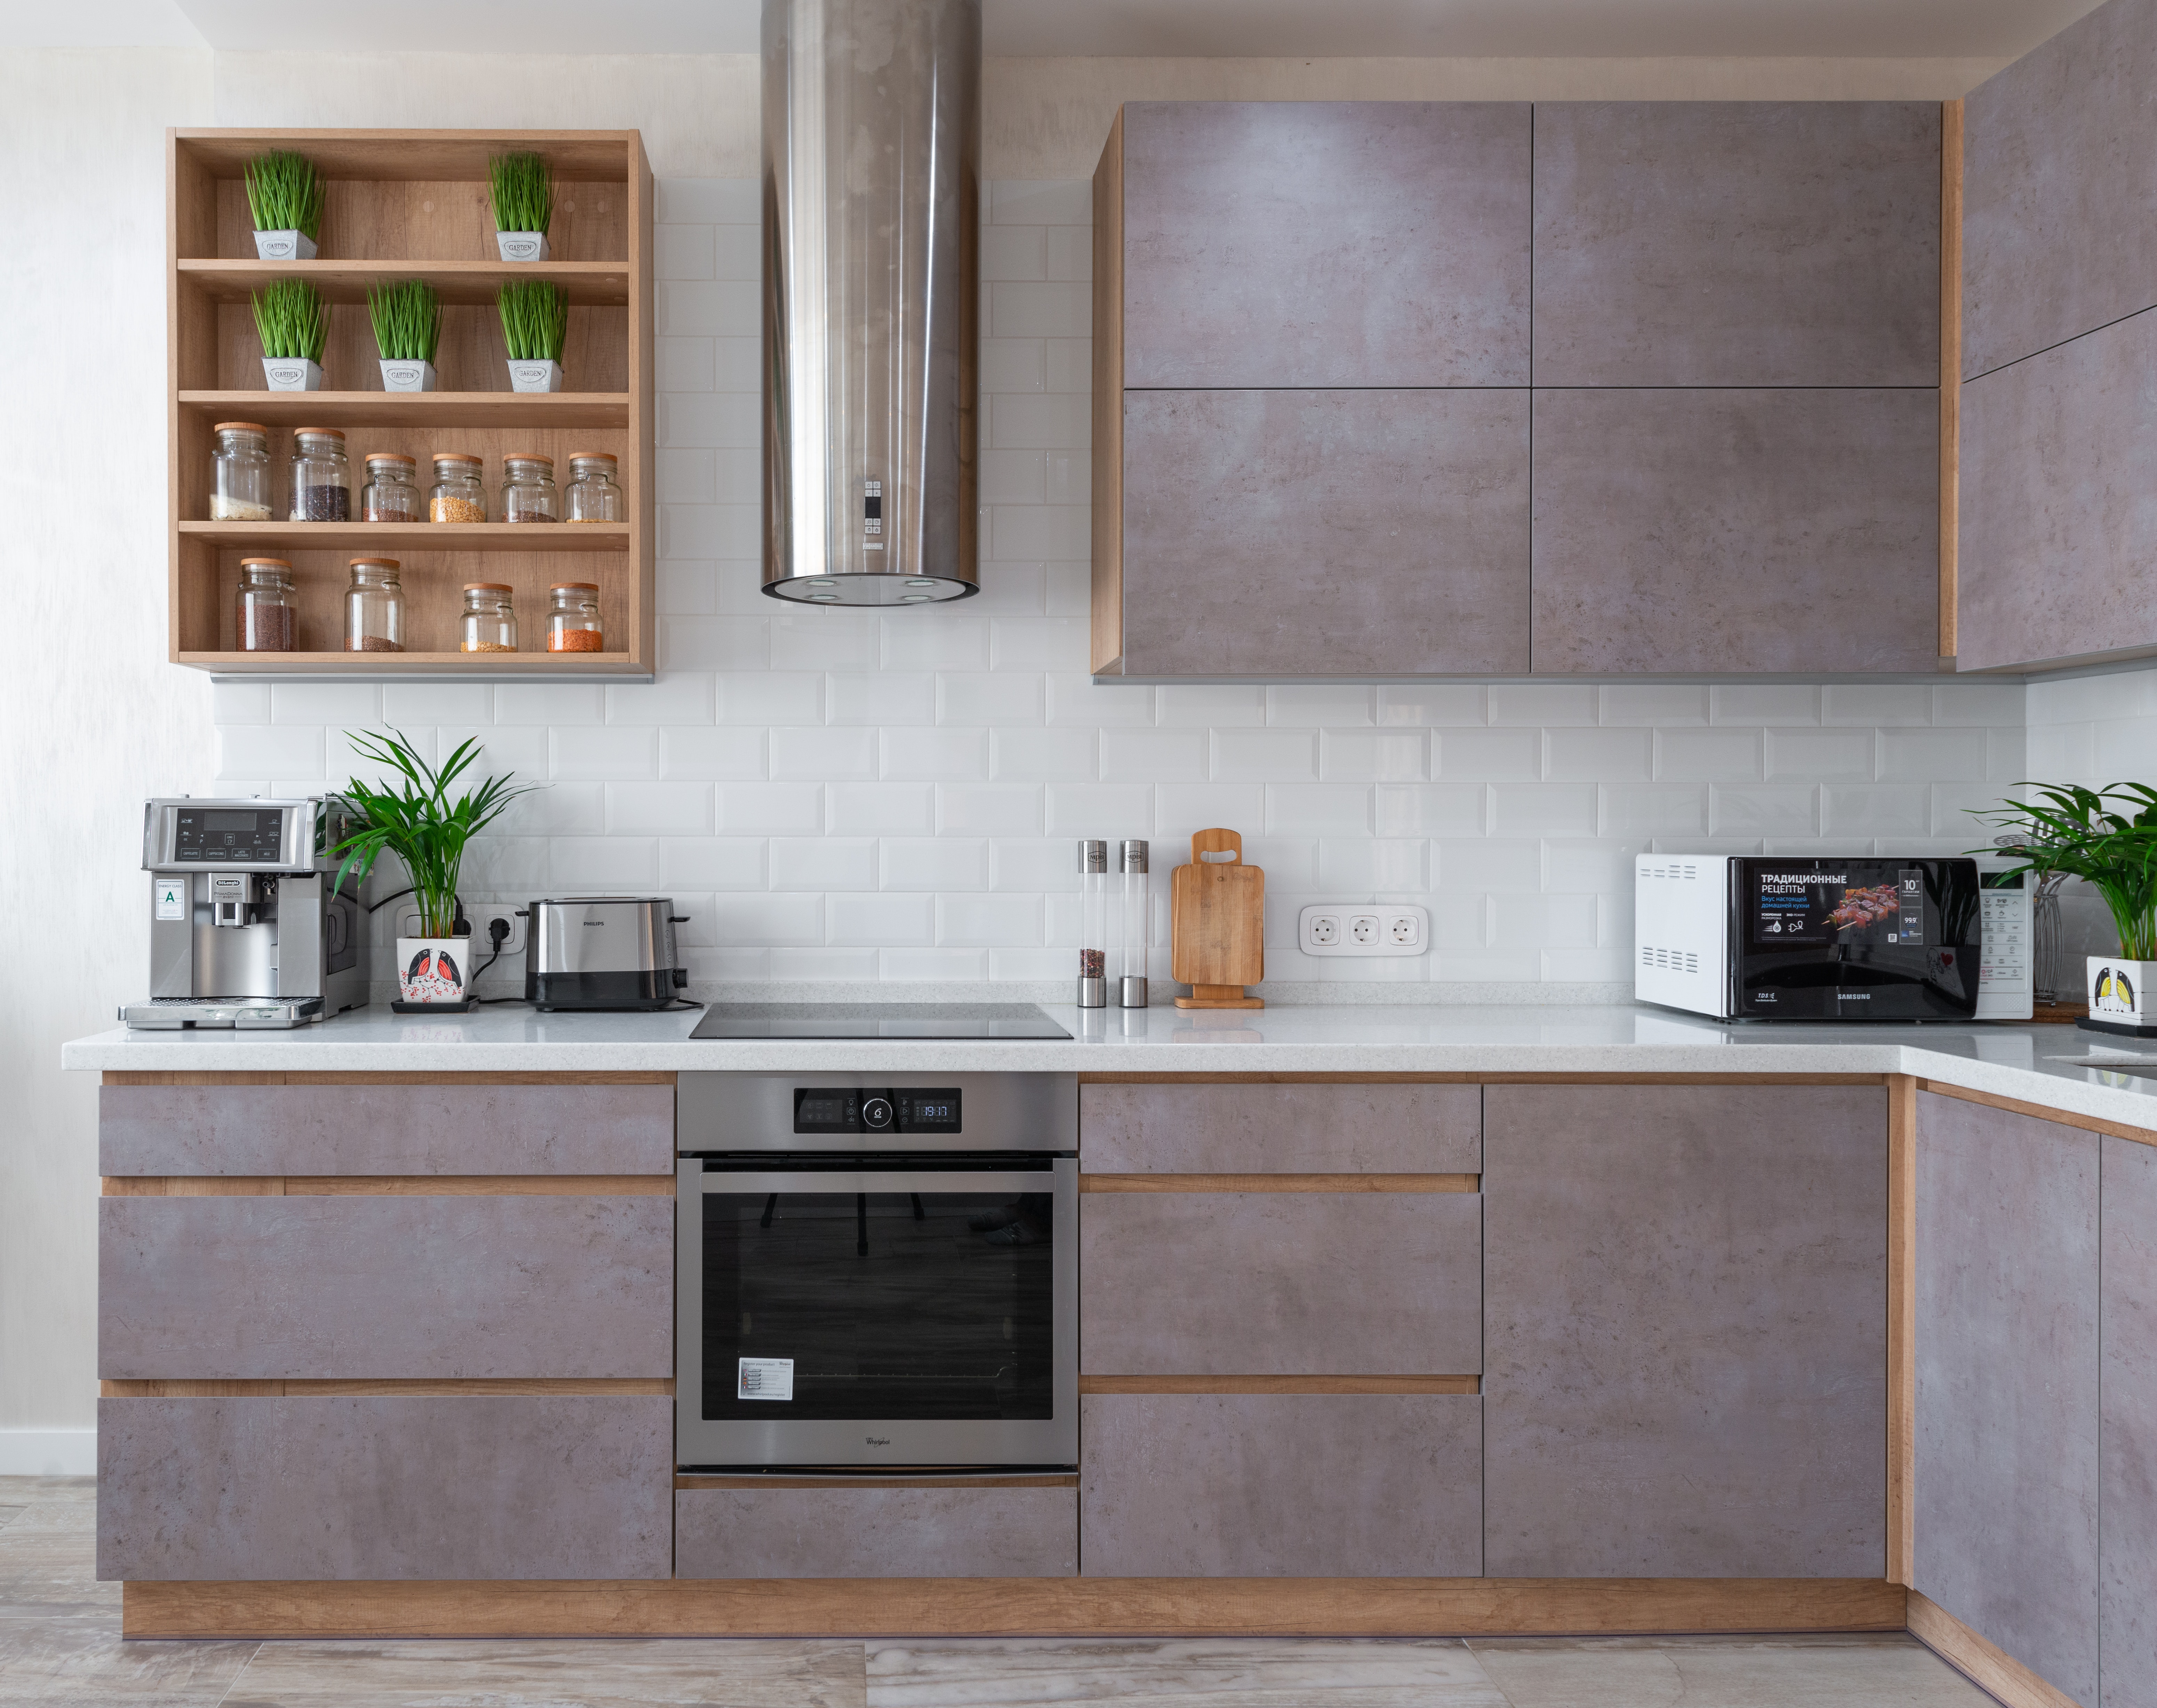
2093 730
845 795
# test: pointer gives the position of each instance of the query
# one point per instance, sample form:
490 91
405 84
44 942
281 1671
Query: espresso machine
247 928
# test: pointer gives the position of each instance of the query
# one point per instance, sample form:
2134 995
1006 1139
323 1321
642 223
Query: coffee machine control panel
211 836
245 835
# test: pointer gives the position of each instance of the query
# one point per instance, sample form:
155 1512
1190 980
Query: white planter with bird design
2120 994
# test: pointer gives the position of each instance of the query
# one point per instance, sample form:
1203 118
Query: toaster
603 952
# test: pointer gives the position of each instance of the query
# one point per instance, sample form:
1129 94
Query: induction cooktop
876 1020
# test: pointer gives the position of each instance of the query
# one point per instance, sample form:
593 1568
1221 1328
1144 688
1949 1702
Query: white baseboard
48 1453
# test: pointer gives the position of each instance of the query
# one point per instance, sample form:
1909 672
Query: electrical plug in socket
483 918
1363 928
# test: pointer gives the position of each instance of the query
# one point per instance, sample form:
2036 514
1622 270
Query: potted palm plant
284 195
293 322
535 324
407 328
424 829
523 192
2107 837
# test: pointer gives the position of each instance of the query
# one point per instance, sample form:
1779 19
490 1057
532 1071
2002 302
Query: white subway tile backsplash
972 810
249 703
1021 533
683 364
771 809
879 920
824 863
1009 365
1763 702
1210 705
1606 755
724 307
2062 753
1667 705
1489 863
1431 810
681 252
820 640
709 201
685 698
1373 756
740 252
934 639
686 589
878 697
989 697
578 751
1764 810
1542 702
603 862
1931 755
898 966
1043 421
350 704
882 808
713 863
1543 809
1039 202
1978 702
713 643
1823 755
987 921
559 809
1432 703
405 704
1875 809
771 697
738 367
716 419
1313 705
1490 756
1264 756
1021 754
934 755
1070 364
1079 699
1875 702
1721 754
1037 643
2125 747
1061 309
1318 809
658 809
1139 755
1014 476
836 753
1356 867
1654 809
247 750
749 920
1012 252
691 752
1096 809
1031 865
2007 754
933 863
552 703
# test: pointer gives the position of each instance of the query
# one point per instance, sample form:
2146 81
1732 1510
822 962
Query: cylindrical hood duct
871 229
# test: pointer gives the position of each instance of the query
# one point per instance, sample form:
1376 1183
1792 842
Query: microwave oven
1869 938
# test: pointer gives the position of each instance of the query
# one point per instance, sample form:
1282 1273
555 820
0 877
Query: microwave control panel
849 1108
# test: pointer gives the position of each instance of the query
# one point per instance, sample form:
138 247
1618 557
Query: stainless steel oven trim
865 1441
719 1111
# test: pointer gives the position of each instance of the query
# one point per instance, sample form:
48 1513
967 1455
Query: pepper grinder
1131 992
1093 924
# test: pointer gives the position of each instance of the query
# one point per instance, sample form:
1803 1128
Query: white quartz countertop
2056 1065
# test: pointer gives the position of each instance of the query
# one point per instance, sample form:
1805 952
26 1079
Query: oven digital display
1796 908
927 1111
865 1109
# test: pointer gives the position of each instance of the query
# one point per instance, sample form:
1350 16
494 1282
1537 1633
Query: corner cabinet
398 205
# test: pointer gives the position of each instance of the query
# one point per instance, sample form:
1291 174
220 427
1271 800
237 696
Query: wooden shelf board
394 536
414 408
380 664
590 284
419 156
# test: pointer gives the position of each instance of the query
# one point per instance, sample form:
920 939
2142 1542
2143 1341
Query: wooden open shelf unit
412 204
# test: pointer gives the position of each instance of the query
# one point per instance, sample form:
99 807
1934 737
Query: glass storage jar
458 496
264 620
594 496
490 621
528 493
240 472
573 618
321 476
392 492
374 607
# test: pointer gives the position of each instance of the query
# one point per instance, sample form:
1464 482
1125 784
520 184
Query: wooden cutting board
1217 919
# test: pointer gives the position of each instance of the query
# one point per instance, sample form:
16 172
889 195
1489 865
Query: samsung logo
1853 995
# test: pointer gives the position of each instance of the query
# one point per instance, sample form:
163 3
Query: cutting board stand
1217 924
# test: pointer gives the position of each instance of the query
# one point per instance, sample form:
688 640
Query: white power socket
480 915
1363 927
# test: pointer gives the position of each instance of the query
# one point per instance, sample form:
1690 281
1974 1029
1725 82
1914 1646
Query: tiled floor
60 1646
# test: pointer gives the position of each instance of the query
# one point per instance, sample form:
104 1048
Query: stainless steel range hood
871 215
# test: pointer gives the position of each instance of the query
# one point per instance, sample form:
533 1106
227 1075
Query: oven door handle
1062 1176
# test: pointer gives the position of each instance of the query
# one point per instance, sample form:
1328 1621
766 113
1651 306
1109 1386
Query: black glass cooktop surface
876 1020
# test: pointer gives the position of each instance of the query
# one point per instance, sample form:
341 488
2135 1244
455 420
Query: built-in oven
876 1270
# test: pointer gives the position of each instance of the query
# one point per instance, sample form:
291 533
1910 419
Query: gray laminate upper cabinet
2127 1649
1323 533
2059 502
2060 189
1325 244
1684 532
1685 1331
2006 1467
1738 243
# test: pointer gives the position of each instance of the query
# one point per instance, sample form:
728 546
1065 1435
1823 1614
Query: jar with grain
392 492
321 476
374 607
528 493
490 621
264 620
240 472
458 496
573 618
594 496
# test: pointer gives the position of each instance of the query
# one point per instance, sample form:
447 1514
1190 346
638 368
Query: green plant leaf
292 319
284 193
535 319
408 319
522 186
2107 837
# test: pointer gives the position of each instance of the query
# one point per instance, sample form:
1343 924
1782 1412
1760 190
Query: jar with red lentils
573 618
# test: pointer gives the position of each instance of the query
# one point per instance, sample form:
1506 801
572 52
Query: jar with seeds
528 493
594 495
458 495
264 619
321 476
573 618
374 607
490 620
240 472
392 492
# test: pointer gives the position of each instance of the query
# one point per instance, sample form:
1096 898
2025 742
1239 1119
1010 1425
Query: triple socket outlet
408 925
1362 927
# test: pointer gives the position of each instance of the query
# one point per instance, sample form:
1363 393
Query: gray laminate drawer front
1738 243
842 1532
1226 1129
2128 1621
1686 1331
1280 1485
1326 244
1280 1283
2006 1467
1325 532
2059 502
385 1286
1686 532
462 1486
2060 189
385 1129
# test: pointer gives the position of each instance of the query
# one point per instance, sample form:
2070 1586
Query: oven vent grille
1675 961
1674 870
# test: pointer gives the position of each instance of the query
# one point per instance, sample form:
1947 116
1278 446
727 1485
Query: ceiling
1145 28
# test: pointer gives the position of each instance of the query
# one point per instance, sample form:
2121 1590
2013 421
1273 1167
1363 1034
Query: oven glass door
878 1311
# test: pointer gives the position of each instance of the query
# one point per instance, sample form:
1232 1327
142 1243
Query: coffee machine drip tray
238 1013
876 1020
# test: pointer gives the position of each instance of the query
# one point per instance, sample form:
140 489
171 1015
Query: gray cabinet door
1326 244
386 1486
1685 532
2006 1465
1280 1283
2059 502
871 1531
1686 1331
2128 1426
1231 1130
1280 1485
1738 243
1325 532
2060 189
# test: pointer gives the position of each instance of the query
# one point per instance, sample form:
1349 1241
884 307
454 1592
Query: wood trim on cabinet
1902 1327
1950 369
377 1078
1262 1607
1280 1384
1107 604
1052 1480
295 1388
2065 1117
1280 1183
1985 1665
1471 1078
387 1186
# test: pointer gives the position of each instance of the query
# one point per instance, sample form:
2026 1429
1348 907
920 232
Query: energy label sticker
765 1379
